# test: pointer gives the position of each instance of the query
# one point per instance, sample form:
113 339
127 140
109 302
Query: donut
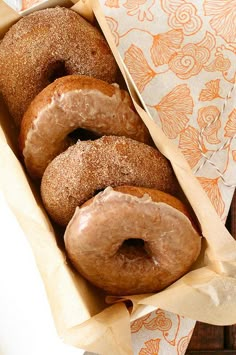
87 167
132 243
70 103
47 44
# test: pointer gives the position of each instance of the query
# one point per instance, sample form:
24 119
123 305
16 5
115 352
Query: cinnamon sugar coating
90 166
47 44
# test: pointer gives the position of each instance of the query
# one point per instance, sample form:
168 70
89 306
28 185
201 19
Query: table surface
214 340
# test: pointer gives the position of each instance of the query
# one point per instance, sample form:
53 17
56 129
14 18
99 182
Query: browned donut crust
88 166
131 245
158 196
46 44
75 102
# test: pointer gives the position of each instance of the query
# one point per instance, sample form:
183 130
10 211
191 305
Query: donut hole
56 70
133 242
133 248
83 135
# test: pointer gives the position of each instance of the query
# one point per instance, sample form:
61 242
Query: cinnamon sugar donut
47 44
75 102
88 166
132 242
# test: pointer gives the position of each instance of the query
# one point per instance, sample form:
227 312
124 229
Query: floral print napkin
182 57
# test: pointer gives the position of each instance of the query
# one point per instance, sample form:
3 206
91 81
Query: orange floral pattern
189 62
210 123
170 6
230 127
208 41
137 324
173 110
113 25
228 52
182 14
191 145
151 347
211 92
140 8
164 46
138 67
223 18
183 344
186 18
213 191
160 322
191 59
218 64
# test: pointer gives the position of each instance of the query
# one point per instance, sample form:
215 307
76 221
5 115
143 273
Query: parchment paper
206 294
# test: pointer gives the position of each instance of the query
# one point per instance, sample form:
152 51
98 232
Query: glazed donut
129 245
77 174
47 44
75 102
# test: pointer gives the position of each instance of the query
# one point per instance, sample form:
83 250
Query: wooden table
213 340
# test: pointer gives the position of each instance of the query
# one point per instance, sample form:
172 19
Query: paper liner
207 293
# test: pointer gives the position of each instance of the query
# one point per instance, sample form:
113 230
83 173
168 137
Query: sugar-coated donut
131 243
47 44
77 174
75 102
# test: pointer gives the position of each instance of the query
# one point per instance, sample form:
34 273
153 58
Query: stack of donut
125 232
